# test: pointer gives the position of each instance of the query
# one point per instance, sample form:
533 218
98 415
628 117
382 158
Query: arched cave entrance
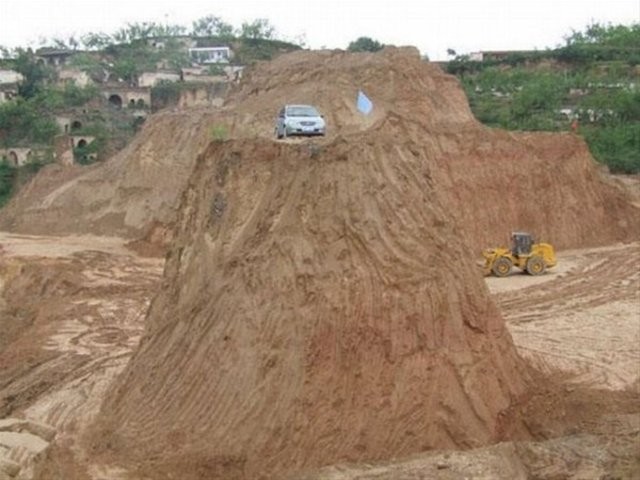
13 158
115 100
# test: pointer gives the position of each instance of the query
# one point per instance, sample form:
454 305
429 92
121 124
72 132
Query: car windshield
302 111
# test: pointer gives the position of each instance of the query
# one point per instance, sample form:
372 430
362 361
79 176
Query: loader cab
521 243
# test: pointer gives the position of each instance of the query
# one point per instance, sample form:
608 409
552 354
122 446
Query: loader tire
502 267
535 266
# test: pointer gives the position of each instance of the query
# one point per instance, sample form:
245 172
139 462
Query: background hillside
590 85
73 80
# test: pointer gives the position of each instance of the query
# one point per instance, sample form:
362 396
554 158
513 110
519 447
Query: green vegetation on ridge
591 85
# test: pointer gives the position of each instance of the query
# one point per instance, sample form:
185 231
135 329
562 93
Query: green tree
96 41
90 64
174 54
169 30
69 43
614 105
215 70
76 96
260 28
616 146
144 30
7 180
212 26
35 73
602 43
126 68
365 44
16 120
43 130
166 93
47 100
539 96
462 65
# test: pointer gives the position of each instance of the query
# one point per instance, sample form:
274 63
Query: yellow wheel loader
533 258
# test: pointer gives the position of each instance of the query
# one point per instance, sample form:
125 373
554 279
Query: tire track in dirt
84 300
584 320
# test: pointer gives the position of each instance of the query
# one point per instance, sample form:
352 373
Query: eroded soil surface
579 325
72 312
582 318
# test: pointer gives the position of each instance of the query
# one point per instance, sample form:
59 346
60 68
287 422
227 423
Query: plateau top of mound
400 84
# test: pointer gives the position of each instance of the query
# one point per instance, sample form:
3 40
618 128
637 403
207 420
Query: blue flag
364 104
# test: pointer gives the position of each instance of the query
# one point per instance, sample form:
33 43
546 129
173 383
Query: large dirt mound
140 187
498 181
312 313
320 301
544 183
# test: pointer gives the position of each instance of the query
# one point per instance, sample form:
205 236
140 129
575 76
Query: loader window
522 244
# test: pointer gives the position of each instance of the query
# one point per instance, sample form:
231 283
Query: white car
299 120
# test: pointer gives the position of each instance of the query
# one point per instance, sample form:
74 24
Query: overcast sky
431 25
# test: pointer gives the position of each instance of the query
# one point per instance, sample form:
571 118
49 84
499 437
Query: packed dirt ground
319 304
72 311
75 308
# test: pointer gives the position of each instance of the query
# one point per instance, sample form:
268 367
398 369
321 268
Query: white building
208 55
9 81
10 77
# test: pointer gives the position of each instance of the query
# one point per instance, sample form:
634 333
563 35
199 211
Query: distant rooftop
51 51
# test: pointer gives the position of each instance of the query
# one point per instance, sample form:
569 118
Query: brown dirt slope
312 313
319 302
498 181
136 189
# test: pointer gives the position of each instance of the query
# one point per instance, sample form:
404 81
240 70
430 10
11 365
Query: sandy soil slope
305 298
56 368
580 325
358 242
72 311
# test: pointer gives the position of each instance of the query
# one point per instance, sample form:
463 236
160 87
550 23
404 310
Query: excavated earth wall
312 313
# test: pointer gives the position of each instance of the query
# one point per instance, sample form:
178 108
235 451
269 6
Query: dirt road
74 309
582 317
